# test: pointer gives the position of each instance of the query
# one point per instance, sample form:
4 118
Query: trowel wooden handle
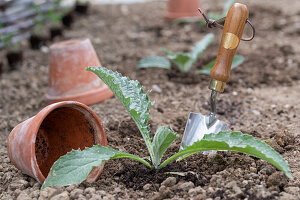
233 30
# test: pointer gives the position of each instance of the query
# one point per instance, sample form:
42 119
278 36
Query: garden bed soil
261 99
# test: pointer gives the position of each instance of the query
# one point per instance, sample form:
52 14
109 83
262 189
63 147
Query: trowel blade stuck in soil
197 127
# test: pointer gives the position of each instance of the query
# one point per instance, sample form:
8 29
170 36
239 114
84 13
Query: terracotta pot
177 9
68 78
35 144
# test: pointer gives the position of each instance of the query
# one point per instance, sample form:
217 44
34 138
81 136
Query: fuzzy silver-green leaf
154 61
235 141
132 96
163 138
75 166
185 61
201 45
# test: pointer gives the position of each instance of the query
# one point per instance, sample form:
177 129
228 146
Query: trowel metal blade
197 126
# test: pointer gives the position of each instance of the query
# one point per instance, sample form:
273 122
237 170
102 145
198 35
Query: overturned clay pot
35 144
68 78
177 9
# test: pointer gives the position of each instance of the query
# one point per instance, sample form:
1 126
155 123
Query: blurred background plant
183 61
14 54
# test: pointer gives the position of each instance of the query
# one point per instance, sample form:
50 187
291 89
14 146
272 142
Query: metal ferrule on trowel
198 125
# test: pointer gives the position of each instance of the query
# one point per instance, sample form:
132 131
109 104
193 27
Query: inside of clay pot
64 129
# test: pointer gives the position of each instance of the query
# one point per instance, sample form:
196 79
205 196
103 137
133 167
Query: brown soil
261 99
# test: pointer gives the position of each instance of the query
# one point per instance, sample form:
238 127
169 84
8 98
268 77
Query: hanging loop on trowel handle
232 32
210 23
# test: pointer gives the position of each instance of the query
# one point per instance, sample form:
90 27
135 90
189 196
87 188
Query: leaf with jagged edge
154 61
132 96
234 141
75 166
162 140
201 45
185 61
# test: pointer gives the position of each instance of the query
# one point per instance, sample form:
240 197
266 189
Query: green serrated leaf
237 60
132 96
75 166
235 141
185 61
154 61
227 6
200 46
163 138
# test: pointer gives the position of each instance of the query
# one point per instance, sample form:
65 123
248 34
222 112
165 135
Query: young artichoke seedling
75 166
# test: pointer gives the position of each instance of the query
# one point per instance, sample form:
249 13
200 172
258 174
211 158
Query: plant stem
178 155
135 158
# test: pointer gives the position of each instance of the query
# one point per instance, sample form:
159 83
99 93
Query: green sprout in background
39 27
8 42
75 166
185 61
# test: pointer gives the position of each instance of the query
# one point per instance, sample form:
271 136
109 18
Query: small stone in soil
147 187
186 186
169 182
62 196
76 193
196 191
23 196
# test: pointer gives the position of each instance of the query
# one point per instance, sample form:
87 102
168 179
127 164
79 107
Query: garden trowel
198 125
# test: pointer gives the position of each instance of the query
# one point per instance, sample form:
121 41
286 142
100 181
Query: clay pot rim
50 108
69 44
104 91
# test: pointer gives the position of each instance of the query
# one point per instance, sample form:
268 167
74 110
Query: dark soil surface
261 99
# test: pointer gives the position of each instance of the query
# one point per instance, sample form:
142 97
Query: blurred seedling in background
39 28
54 15
9 43
185 61
39 36
14 54
75 166
55 19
